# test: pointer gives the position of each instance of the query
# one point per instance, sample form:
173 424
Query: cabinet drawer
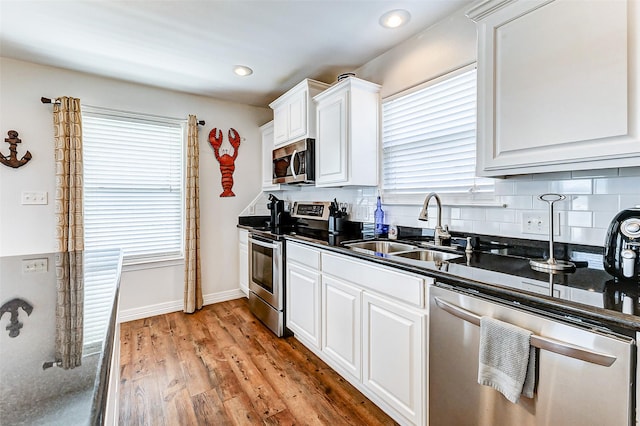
303 254
402 286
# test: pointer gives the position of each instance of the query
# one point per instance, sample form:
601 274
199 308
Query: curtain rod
49 101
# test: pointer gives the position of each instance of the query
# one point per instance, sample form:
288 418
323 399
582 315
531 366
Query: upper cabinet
558 85
267 158
347 143
294 113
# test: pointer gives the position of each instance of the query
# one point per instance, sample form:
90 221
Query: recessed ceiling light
242 71
395 18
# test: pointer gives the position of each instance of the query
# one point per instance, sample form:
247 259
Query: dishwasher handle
540 342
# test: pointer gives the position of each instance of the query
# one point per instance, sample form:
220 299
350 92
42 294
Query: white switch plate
34 197
35 265
538 223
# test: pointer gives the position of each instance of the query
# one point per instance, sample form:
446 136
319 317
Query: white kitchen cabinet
243 260
558 85
294 113
394 348
267 158
347 142
303 293
341 325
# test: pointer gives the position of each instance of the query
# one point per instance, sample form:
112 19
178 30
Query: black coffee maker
622 246
280 219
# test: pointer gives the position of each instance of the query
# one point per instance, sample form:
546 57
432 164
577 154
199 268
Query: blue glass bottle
379 218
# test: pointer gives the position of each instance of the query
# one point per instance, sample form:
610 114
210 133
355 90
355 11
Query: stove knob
633 227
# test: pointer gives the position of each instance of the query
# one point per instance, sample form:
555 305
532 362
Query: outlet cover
35 265
34 197
538 223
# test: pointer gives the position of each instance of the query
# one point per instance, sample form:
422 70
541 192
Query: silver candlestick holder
552 264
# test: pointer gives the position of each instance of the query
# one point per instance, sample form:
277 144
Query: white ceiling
192 46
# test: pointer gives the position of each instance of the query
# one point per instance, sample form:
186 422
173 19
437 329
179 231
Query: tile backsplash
593 198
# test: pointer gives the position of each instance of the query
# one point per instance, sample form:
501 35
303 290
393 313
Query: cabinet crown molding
484 8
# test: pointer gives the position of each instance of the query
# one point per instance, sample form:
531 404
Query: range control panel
318 210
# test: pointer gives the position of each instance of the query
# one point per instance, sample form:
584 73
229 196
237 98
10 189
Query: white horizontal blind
429 139
133 183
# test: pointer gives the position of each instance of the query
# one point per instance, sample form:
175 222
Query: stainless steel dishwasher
584 376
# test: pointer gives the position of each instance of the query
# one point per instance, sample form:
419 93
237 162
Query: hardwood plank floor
221 366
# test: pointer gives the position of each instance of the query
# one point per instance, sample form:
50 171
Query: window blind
133 184
429 139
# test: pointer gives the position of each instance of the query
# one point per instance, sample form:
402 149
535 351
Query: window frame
143 261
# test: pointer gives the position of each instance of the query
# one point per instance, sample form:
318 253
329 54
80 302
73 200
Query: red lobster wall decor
227 162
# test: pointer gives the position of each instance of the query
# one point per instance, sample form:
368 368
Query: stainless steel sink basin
380 246
427 255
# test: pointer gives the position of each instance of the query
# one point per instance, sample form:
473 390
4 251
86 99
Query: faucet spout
440 235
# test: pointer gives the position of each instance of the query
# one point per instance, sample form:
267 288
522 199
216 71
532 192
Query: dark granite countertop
35 386
588 296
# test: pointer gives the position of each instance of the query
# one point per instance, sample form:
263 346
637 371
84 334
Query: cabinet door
280 125
243 261
341 325
393 360
297 107
332 144
557 99
267 158
303 303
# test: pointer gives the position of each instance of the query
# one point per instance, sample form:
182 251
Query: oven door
265 270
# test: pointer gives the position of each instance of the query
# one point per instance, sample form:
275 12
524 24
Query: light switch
35 265
34 197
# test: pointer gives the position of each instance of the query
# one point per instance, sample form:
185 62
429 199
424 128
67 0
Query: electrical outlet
538 223
34 197
252 209
35 265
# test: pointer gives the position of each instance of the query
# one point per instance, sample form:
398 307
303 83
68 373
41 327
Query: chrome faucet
440 234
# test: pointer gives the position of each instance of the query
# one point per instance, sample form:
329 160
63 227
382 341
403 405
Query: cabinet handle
551 345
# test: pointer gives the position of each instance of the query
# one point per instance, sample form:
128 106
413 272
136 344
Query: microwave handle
293 157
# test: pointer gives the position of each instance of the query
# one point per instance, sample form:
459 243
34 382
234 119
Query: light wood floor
221 366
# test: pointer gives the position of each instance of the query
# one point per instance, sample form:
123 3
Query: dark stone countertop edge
568 310
101 384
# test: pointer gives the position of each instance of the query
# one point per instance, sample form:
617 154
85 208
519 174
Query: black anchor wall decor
12 307
11 160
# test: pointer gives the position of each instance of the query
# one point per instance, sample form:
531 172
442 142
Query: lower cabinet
341 325
366 321
303 293
243 260
395 355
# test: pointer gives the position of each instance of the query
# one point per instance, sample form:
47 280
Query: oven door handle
551 345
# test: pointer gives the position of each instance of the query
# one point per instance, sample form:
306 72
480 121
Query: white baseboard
132 314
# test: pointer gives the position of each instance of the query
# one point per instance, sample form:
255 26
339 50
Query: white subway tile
581 174
594 202
461 225
501 215
532 187
504 187
575 186
486 228
627 201
588 236
517 201
621 185
552 176
473 213
603 219
629 171
580 219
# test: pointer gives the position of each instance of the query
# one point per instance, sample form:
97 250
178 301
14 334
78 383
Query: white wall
26 229
593 197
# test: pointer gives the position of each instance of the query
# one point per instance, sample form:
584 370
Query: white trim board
175 306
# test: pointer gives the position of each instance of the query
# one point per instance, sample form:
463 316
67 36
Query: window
133 184
429 138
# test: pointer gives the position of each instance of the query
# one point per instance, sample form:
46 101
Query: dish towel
507 359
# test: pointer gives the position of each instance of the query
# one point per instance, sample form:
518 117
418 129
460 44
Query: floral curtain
67 124
192 271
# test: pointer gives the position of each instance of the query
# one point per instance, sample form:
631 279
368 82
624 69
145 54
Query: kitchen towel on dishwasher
507 359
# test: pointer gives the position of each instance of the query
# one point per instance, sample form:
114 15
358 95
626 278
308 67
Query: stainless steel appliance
294 163
266 281
584 376
622 245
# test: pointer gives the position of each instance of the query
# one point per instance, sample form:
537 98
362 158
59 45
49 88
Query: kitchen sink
380 246
427 255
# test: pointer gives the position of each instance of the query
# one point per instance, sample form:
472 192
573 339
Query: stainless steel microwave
295 163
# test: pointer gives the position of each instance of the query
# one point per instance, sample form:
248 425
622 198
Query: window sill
141 264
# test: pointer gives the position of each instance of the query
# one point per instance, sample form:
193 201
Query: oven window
262 266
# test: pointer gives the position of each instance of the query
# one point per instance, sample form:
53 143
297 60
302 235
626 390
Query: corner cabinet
267 158
347 143
558 85
243 260
294 113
